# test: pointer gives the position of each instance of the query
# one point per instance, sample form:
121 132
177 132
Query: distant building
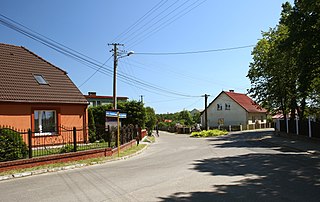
230 108
194 111
96 100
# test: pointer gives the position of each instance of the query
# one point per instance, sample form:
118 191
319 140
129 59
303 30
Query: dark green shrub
209 133
66 149
12 146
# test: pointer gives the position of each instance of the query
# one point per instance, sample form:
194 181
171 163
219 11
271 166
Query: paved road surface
237 167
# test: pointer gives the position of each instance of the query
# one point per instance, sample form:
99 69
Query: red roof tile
246 102
18 84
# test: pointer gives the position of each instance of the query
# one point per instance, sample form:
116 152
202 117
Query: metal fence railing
301 127
17 144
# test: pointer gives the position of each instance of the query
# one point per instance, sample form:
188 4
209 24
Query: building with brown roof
36 94
234 109
96 100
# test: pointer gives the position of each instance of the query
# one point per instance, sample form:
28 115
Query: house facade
234 109
36 95
96 100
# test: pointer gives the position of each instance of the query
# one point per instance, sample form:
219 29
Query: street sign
122 115
114 114
111 114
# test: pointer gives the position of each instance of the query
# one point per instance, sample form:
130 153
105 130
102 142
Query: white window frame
227 106
40 133
219 107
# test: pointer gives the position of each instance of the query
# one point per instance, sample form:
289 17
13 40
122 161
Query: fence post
309 124
30 142
230 128
109 135
240 127
74 139
297 126
287 125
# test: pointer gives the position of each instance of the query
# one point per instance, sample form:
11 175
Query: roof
18 68
246 102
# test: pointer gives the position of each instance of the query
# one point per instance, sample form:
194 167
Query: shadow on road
257 176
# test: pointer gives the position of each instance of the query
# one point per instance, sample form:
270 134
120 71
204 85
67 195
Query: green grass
209 133
123 153
149 139
69 147
129 151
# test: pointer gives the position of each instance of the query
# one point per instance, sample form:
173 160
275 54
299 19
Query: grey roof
18 84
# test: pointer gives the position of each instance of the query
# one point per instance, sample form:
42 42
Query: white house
230 108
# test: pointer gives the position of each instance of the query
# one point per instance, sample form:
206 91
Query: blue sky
88 27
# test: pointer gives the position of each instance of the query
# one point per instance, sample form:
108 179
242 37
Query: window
40 79
253 119
227 106
45 122
219 106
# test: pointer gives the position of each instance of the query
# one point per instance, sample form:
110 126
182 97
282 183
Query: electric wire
93 64
94 73
140 29
158 21
166 23
195 52
145 16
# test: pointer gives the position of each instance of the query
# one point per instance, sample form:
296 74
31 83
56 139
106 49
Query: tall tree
286 61
303 41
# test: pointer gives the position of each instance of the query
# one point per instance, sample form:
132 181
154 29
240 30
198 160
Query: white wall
235 116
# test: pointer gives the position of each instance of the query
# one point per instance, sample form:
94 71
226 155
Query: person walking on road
157 129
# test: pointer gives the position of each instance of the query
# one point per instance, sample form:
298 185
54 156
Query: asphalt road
236 167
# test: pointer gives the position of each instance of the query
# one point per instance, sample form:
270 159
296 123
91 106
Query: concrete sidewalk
296 142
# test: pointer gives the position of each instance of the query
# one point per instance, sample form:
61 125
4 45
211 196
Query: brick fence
67 157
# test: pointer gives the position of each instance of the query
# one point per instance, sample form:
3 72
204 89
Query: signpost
118 116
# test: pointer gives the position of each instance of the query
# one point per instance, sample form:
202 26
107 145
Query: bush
209 133
12 146
66 149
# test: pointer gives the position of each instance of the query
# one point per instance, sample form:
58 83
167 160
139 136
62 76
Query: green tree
272 72
196 118
91 126
185 118
136 113
151 119
285 65
303 22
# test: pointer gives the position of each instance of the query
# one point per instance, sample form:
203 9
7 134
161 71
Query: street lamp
115 63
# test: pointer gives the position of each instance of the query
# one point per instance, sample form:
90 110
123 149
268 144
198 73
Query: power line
195 52
134 25
166 23
155 23
91 63
94 72
140 29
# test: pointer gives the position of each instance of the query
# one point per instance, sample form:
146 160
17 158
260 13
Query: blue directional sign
115 114
122 115
111 114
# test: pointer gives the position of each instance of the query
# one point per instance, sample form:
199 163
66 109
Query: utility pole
205 111
115 63
141 98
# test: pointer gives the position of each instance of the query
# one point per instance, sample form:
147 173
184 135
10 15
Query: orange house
36 95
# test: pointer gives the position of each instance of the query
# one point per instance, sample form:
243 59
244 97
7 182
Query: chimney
231 91
92 93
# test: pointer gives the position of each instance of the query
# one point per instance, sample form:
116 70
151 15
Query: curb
69 167
312 152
